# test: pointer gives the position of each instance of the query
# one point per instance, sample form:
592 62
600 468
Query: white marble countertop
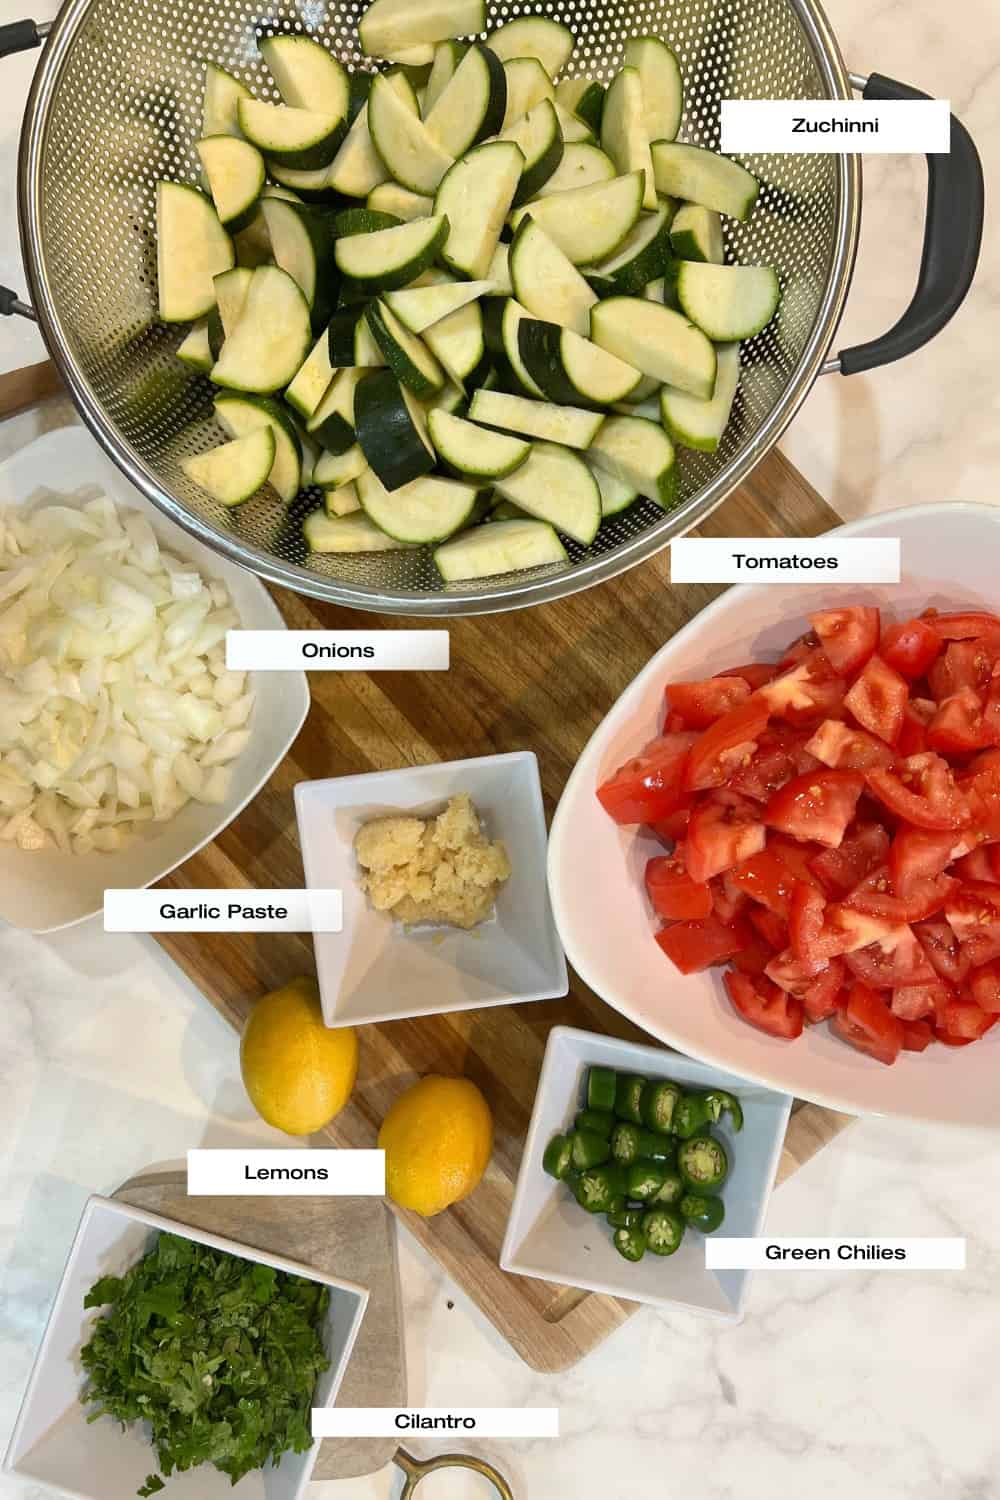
867 1383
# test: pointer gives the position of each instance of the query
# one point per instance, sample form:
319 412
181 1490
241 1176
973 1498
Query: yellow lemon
437 1139
299 1073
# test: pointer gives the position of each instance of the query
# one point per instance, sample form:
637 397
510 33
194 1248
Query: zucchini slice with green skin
473 105
194 350
701 176
581 166
418 308
662 87
410 152
555 485
220 106
270 342
583 97
302 242
447 56
459 342
354 533
234 472
391 26
571 370
640 260
569 426
534 36
591 223
307 187
236 175
341 338
307 75
658 341
389 259
701 424
696 234
425 510
575 131
452 400
240 414
192 248
499 272
303 139
314 378
640 454
410 361
648 407
501 547
623 131
363 221
616 494
332 424
391 429
475 196
471 450
367 354
335 470
546 282
231 290
343 501
527 85
728 303
542 145
404 206
357 169
510 343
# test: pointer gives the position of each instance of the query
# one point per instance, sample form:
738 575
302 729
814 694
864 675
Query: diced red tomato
878 895
806 924
921 790
896 960
964 664
791 974
781 754
701 703
672 828
984 985
649 786
767 880
944 952
848 636
765 1006
918 854
728 744
917 1036
877 700
808 692
864 848
772 928
979 864
825 995
958 727
672 892
693 946
728 901
911 649
963 625
868 1024
755 957
912 1002
962 1020
913 735
817 806
755 673
844 748
720 837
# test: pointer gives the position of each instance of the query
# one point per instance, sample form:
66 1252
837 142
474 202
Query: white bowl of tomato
780 851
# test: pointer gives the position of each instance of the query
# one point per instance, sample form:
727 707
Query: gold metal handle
415 1471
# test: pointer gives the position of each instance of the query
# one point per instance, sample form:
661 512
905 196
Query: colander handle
21 36
953 236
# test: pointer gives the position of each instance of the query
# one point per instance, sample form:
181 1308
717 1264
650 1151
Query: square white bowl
549 1236
52 1441
47 890
377 970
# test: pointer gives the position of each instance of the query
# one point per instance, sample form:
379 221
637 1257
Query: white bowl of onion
125 744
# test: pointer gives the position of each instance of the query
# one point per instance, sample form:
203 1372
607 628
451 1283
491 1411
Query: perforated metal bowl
116 105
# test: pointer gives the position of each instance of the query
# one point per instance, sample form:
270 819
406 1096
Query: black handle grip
19 36
953 236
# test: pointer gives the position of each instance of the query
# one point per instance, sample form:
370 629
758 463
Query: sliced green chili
600 1121
598 1189
625 1143
589 1149
643 1180
630 1243
671 1189
628 1097
625 1218
691 1114
703 1163
702 1213
558 1157
721 1102
601 1086
658 1105
656 1147
664 1230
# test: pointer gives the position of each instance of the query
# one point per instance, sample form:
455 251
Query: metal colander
116 105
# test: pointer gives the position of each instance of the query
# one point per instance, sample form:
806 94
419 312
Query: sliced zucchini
410 361
546 282
646 388
534 36
308 187
616 494
696 234
390 259
220 107
357 167
623 131
701 176
658 341
231 290
510 320
701 424
473 104
415 61
332 424
499 272
420 307
303 139
354 533
459 342
447 56
307 75
390 198
728 303
503 547
363 221
471 450
302 241
344 501
314 378
234 472
590 223
367 354
235 173
194 349
575 131
541 142
581 166
389 26
425 510
555 485
452 400
335 470
391 429
411 154
662 88
583 97
238 415
640 259
527 85
640 454
571 370
475 196
192 248
570 426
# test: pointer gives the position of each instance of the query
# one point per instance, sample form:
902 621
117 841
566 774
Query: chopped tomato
765 1006
878 699
878 895
767 880
868 1024
919 853
720 837
672 828
781 754
848 636
965 664
728 901
912 1002
962 626
728 744
755 673
693 946
672 892
772 928
921 790
913 735
845 748
806 924
958 727
810 691
791 973
917 1036
981 794
817 806
980 864
826 993
942 949
911 649
984 984
863 850
701 703
755 957
650 785
962 1020
796 855
897 959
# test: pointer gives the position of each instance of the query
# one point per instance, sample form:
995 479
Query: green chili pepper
691 1114
671 1189
628 1097
643 1180
630 1243
625 1218
558 1156
703 1163
589 1149
659 1148
625 1141
601 1087
663 1229
658 1105
600 1121
721 1102
701 1213
598 1189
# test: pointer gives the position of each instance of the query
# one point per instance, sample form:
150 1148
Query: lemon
298 1073
437 1139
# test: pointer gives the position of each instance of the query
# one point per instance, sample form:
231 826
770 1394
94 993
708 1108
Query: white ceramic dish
949 560
44 891
52 1442
551 1237
375 970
